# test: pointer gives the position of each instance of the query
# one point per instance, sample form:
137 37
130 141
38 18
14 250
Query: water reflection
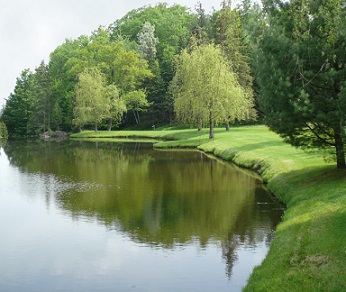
162 199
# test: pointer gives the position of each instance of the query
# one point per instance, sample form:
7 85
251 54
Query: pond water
113 216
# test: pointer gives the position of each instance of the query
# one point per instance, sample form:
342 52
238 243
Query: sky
31 30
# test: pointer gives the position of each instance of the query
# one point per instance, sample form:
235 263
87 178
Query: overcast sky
31 30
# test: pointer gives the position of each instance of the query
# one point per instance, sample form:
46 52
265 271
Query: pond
116 216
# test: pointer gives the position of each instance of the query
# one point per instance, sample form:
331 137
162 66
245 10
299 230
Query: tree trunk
48 121
227 126
340 151
211 126
136 117
44 121
110 124
96 127
200 125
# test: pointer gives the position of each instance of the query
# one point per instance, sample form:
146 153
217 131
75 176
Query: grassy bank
309 250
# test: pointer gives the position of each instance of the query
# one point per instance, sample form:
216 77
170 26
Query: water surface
105 216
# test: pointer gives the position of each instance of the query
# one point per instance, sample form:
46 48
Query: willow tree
92 100
205 88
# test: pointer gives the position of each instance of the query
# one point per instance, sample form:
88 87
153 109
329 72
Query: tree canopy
205 88
92 101
17 111
166 64
301 72
3 130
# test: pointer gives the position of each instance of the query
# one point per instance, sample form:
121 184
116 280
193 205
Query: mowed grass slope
309 249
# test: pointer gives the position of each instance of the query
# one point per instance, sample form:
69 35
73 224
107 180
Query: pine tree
229 35
301 72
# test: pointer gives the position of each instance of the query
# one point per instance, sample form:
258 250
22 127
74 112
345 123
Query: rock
60 134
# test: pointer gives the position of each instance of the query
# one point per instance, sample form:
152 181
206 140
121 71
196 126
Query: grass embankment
309 249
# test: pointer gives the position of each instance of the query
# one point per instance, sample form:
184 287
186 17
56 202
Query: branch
318 136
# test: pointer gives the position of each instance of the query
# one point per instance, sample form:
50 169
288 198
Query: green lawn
309 249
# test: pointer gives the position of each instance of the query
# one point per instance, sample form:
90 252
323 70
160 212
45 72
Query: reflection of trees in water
229 251
255 224
160 198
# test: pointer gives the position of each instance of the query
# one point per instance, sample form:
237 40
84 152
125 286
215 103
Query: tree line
282 61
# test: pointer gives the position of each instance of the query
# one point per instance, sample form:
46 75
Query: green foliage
229 35
3 130
205 89
201 33
52 99
122 67
66 62
17 111
160 109
117 105
173 25
301 72
57 116
113 52
172 28
42 102
136 102
92 100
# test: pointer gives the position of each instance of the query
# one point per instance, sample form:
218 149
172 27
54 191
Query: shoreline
308 252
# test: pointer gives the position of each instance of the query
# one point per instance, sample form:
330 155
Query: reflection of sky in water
42 247
92 262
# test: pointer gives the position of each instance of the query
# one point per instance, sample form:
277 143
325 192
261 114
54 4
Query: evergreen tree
301 72
200 31
66 62
17 111
56 116
229 35
42 103
3 130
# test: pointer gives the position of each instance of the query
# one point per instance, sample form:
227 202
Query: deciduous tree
205 88
147 42
117 106
137 102
92 100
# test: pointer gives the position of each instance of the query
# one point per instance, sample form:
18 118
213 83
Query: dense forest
282 62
